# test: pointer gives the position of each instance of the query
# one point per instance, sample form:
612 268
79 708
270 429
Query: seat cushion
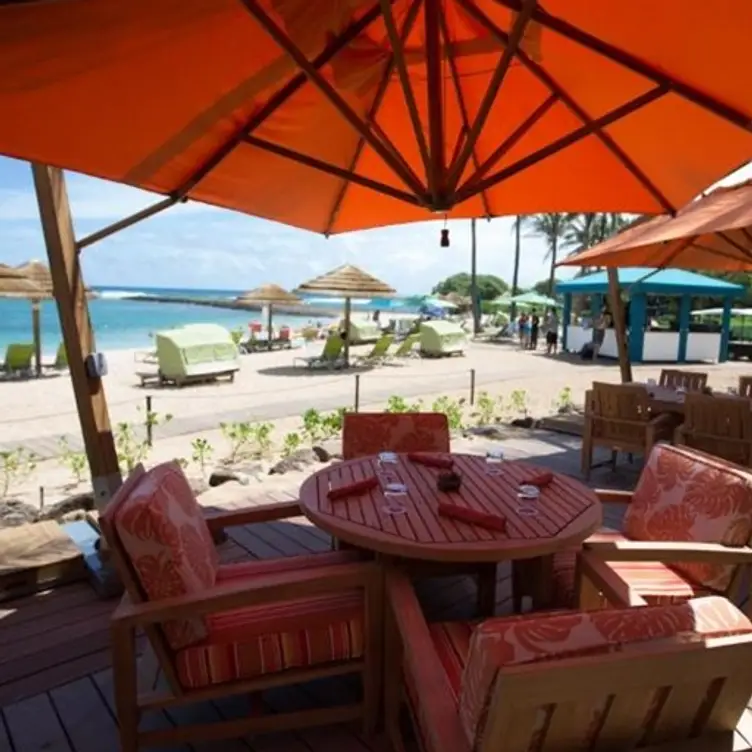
687 495
370 433
162 529
497 644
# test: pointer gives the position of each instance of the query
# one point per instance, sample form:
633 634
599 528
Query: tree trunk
552 275
516 272
474 279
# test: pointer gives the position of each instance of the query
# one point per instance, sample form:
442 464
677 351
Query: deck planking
56 681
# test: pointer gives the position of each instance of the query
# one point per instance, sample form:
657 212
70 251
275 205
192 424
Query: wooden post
348 313
474 279
70 296
36 328
617 312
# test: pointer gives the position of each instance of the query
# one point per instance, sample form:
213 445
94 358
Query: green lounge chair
379 352
61 359
18 359
407 348
331 355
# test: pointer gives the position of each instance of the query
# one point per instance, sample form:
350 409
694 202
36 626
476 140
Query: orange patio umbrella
337 116
713 233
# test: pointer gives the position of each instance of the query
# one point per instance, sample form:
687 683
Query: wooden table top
568 511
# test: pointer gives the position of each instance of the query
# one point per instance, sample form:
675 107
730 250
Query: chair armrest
271 588
668 552
610 496
438 708
616 591
218 519
660 420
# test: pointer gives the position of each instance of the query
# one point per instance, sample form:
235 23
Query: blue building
647 345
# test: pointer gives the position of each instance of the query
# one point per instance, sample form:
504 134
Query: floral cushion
686 495
370 433
162 529
500 643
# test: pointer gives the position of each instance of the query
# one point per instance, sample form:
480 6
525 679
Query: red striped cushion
269 638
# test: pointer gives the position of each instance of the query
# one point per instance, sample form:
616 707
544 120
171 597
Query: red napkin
472 517
539 481
353 489
431 460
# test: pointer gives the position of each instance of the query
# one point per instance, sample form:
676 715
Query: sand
35 414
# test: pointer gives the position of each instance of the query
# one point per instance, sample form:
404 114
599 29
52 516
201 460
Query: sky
197 246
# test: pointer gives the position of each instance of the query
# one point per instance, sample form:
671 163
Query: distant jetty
312 312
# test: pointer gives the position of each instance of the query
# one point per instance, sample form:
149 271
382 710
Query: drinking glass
494 461
528 501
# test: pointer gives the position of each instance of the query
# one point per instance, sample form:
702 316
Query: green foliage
485 409
15 464
152 418
453 409
331 423
312 428
396 404
291 443
519 402
201 452
564 401
489 285
130 449
76 462
239 436
237 335
261 434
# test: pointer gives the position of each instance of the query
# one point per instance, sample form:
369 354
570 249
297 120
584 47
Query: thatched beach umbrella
15 284
348 282
268 295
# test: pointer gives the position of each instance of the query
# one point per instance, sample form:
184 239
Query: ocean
121 323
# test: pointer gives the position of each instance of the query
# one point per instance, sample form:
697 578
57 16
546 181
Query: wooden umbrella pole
269 327
36 329
620 328
348 306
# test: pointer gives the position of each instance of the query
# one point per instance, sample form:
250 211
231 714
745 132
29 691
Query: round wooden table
568 512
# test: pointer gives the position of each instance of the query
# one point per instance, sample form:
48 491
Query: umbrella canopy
713 233
434 302
336 116
347 281
505 299
15 284
269 294
534 299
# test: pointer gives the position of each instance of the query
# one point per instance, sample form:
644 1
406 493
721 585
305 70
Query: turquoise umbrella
534 299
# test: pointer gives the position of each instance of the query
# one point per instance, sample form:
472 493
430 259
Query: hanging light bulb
445 235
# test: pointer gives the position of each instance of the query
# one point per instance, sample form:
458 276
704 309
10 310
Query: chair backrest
720 425
18 356
690 381
619 412
687 495
745 386
332 347
407 345
382 345
161 544
605 680
284 334
255 327
365 434
61 357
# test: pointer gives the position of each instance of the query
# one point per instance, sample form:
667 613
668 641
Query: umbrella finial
444 243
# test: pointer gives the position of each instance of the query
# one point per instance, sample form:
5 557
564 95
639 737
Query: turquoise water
120 323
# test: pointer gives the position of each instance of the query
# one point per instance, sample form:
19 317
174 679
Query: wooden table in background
568 513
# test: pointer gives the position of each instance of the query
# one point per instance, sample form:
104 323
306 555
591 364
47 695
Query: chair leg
614 458
587 455
486 582
124 672
392 681
373 677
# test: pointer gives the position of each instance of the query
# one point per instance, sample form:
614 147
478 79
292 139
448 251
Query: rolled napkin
431 460
473 517
539 481
353 489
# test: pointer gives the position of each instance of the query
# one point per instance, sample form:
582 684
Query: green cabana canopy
534 299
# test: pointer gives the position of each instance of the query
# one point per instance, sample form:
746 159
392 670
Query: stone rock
83 502
223 475
527 422
14 513
299 460
488 432
329 449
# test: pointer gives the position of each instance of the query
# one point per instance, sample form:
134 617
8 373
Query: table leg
533 578
486 582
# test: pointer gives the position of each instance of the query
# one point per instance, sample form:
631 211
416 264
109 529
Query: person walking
534 329
552 332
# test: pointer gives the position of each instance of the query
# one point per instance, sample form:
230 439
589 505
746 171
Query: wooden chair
745 387
690 381
218 630
618 416
364 434
659 679
687 532
719 425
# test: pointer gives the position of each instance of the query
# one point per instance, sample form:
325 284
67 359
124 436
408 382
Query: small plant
261 440
485 412
564 402
291 443
130 449
240 436
331 423
152 419
15 464
183 462
518 401
202 453
453 409
397 404
237 335
76 462
311 428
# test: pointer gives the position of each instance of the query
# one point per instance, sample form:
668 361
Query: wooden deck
56 683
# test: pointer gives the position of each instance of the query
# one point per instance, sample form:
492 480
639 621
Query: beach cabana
14 283
532 299
348 282
645 345
269 295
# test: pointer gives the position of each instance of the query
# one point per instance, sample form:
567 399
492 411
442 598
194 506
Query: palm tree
553 227
590 228
516 273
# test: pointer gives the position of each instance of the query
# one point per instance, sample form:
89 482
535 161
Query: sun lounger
61 359
407 347
379 352
284 339
18 359
331 355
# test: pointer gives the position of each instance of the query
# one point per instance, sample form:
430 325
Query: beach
38 412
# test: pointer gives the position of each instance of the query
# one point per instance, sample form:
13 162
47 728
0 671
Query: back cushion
501 643
370 433
163 532
687 495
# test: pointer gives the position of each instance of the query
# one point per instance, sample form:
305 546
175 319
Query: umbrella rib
464 114
329 169
562 143
736 245
556 88
497 79
412 14
337 101
397 42
278 99
636 65
435 95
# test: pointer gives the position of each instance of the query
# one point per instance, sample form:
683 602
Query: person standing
534 329
600 324
552 332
